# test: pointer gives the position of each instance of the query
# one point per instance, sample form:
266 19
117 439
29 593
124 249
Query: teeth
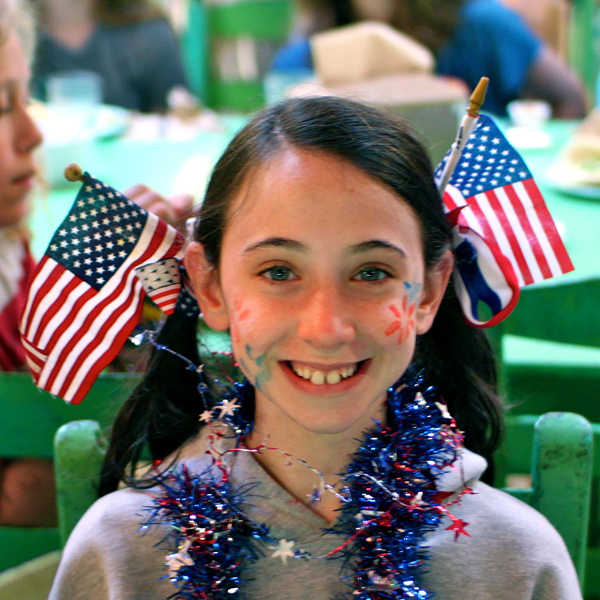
319 377
334 377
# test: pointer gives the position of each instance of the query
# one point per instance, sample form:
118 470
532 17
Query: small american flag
85 297
505 206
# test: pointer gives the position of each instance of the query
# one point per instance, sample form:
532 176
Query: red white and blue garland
389 503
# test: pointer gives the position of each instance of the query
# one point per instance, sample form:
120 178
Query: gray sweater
513 554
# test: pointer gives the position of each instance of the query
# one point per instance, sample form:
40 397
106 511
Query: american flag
504 235
85 297
505 205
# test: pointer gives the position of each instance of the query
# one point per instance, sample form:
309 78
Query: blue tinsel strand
391 503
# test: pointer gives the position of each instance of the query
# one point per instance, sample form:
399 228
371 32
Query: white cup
74 98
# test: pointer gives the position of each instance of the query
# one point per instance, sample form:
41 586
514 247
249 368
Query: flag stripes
85 297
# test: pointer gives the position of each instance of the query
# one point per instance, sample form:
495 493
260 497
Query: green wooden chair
560 473
560 313
559 452
222 49
30 420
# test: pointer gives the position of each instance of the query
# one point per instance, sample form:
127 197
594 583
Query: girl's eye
371 274
279 274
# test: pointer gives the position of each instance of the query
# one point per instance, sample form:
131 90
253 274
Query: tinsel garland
389 503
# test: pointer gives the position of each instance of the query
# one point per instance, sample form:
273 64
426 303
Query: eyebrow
276 242
279 242
376 245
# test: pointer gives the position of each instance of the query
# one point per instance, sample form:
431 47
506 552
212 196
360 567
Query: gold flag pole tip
478 97
74 172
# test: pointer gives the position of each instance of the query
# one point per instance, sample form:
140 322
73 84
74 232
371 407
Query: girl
334 468
27 484
128 42
27 495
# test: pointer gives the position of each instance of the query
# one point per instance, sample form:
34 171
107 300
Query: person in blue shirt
129 43
470 39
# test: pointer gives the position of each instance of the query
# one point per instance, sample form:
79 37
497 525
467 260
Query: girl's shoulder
503 536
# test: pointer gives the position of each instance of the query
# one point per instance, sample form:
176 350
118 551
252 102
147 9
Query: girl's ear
434 288
205 283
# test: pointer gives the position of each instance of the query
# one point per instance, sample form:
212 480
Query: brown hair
430 22
122 12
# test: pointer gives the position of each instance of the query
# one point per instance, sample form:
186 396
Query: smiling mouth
323 376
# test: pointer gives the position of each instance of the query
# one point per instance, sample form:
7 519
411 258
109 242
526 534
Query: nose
325 321
27 134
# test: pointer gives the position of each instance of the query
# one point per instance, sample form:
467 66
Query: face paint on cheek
413 290
262 374
239 315
404 322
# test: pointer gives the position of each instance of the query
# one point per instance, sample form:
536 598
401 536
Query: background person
129 43
470 39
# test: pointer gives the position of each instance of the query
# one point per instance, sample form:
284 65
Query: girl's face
323 286
19 136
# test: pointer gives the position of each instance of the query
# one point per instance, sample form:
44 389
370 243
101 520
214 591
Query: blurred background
143 91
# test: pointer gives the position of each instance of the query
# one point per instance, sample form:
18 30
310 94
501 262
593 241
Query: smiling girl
334 468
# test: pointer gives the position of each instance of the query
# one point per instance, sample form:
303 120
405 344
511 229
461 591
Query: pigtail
458 359
162 411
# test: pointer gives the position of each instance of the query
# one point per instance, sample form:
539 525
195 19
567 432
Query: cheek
251 327
400 321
